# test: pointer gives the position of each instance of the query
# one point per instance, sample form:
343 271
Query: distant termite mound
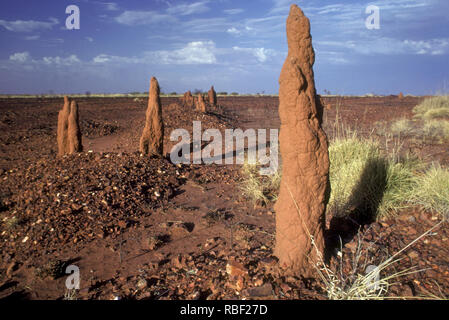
212 97
69 133
401 95
304 192
201 104
187 100
151 141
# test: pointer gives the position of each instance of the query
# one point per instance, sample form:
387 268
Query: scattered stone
259 292
142 284
11 268
413 254
236 269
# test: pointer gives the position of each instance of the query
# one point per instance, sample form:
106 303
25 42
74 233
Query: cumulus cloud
261 54
234 31
59 61
28 25
20 57
25 58
199 52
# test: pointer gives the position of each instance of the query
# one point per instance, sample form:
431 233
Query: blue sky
235 45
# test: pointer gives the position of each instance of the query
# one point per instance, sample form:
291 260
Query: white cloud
28 25
105 58
24 58
261 54
188 9
90 39
233 31
199 52
390 46
111 6
132 18
206 25
233 11
36 37
69 61
20 57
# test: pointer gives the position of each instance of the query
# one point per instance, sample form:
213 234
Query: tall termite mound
304 192
74 132
188 100
212 97
151 141
201 104
63 125
69 133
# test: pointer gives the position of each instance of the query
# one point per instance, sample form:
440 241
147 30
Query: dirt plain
144 228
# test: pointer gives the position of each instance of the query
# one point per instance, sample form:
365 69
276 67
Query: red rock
259 292
236 269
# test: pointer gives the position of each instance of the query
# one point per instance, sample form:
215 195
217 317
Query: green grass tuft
434 107
432 190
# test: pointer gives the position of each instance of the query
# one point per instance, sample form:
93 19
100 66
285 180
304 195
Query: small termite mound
151 141
74 132
212 97
63 125
69 132
187 100
201 104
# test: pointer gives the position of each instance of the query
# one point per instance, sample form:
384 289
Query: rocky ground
144 228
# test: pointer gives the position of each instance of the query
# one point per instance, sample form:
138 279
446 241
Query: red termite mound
212 97
151 141
201 104
63 125
304 192
401 95
74 132
69 133
188 100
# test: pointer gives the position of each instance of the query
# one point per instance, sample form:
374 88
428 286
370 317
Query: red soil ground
143 228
